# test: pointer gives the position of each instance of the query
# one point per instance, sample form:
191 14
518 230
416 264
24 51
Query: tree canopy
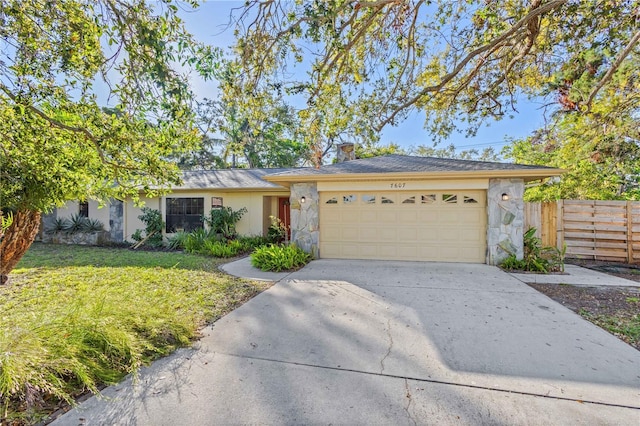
56 142
461 62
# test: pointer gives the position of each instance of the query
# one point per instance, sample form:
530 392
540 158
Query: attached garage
404 225
398 207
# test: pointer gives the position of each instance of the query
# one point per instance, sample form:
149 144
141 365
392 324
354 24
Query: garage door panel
349 234
367 216
407 226
407 234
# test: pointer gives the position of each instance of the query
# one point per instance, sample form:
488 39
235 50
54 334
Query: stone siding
116 218
505 225
304 217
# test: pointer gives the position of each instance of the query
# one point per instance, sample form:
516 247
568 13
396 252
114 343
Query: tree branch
616 64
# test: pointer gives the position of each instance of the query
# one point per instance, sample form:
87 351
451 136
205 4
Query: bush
177 240
153 227
277 232
223 221
251 243
222 248
195 240
536 257
278 258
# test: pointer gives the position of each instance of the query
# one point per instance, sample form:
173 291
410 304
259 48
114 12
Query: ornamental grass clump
277 258
76 318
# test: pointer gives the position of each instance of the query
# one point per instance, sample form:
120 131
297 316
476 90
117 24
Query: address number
398 185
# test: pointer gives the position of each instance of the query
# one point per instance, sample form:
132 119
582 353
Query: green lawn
74 318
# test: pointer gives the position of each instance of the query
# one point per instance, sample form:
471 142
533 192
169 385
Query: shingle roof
407 164
229 179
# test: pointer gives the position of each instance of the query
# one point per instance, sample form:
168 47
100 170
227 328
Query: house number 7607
398 185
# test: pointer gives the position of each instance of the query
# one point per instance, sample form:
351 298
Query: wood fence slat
604 244
596 227
606 230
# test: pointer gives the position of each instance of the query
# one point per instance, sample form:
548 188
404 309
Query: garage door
448 226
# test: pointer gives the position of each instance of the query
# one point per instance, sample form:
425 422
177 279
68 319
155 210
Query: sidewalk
578 276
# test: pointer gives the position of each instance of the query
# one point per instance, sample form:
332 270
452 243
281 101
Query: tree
260 130
487 154
602 160
57 144
461 62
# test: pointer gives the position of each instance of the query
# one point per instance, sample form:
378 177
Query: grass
624 326
76 318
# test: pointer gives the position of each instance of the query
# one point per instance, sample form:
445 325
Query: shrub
75 223
222 248
223 221
153 227
92 225
59 225
277 232
536 257
194 241
177 240
250 243
278 258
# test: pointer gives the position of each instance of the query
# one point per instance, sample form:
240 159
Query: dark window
83 209
184 214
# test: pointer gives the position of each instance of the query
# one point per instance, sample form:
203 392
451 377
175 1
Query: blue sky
209 24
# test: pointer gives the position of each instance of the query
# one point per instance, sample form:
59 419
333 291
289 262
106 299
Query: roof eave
527 175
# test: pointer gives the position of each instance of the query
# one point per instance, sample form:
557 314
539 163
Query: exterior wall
131 213
72 208
505 225
259 206
304 217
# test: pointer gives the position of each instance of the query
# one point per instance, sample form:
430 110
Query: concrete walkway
364 342
578 276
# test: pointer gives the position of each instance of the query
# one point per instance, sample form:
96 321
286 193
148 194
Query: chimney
345 152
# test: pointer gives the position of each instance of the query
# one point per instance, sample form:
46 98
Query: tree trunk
17 239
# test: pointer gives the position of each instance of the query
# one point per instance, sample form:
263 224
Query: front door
284 213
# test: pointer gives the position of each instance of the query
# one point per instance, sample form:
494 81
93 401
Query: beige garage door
447 226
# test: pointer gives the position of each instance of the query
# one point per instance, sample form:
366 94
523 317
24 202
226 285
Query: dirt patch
615 309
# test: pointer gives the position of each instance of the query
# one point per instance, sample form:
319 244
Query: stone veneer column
116 218
304 217
505 225
48 221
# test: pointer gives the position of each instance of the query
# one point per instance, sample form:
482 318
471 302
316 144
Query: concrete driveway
366 342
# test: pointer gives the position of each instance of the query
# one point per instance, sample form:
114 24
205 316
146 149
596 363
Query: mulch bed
594 303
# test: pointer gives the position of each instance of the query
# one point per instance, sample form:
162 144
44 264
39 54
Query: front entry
284 213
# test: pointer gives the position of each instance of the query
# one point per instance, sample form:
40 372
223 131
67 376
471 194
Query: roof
228 179
385 166
417 167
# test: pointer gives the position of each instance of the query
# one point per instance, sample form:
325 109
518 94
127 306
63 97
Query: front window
83 209
184 214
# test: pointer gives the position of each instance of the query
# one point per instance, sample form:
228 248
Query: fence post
560 224
629 232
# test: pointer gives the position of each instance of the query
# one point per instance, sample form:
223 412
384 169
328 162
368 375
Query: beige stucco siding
258 204
95 211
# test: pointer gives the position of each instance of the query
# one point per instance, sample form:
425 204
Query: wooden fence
598 230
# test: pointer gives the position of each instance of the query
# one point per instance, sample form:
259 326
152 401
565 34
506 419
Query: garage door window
410 200
428 199
368 199
349 199
470 200
450 198
333 200
386 200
